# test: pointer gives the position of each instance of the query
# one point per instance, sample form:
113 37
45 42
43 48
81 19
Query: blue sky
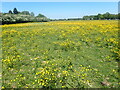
59 0
63 9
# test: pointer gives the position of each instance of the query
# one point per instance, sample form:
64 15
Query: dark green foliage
100 16
106 16
118 16
15 11
25 13
21 17
40 15
10 12
0 18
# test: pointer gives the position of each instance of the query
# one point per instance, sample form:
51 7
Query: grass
62 54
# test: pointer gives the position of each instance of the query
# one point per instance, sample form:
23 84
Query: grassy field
61 54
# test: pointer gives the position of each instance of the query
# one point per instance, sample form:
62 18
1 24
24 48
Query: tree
10 12
86 18
118 16
91 17
25 12
40 15
95 17
32 14
106 15
15 11
100 16
112 16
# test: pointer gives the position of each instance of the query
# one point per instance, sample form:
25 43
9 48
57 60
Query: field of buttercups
60 54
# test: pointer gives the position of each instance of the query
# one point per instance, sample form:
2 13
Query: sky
60 10
60 0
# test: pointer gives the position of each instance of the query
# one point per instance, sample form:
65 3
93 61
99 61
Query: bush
20 18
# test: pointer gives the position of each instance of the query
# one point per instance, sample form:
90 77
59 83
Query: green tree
95 17
10 12
32 14
118 16
91 17
25 12
40 15
106 15
86 18
15 11
100 16
112 16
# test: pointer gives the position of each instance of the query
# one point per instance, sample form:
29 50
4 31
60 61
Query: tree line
105 16
16 16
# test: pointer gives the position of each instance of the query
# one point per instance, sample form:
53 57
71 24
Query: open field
63 54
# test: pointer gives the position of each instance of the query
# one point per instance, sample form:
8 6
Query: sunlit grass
62 54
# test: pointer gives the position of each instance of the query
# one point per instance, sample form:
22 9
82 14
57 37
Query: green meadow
60 54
